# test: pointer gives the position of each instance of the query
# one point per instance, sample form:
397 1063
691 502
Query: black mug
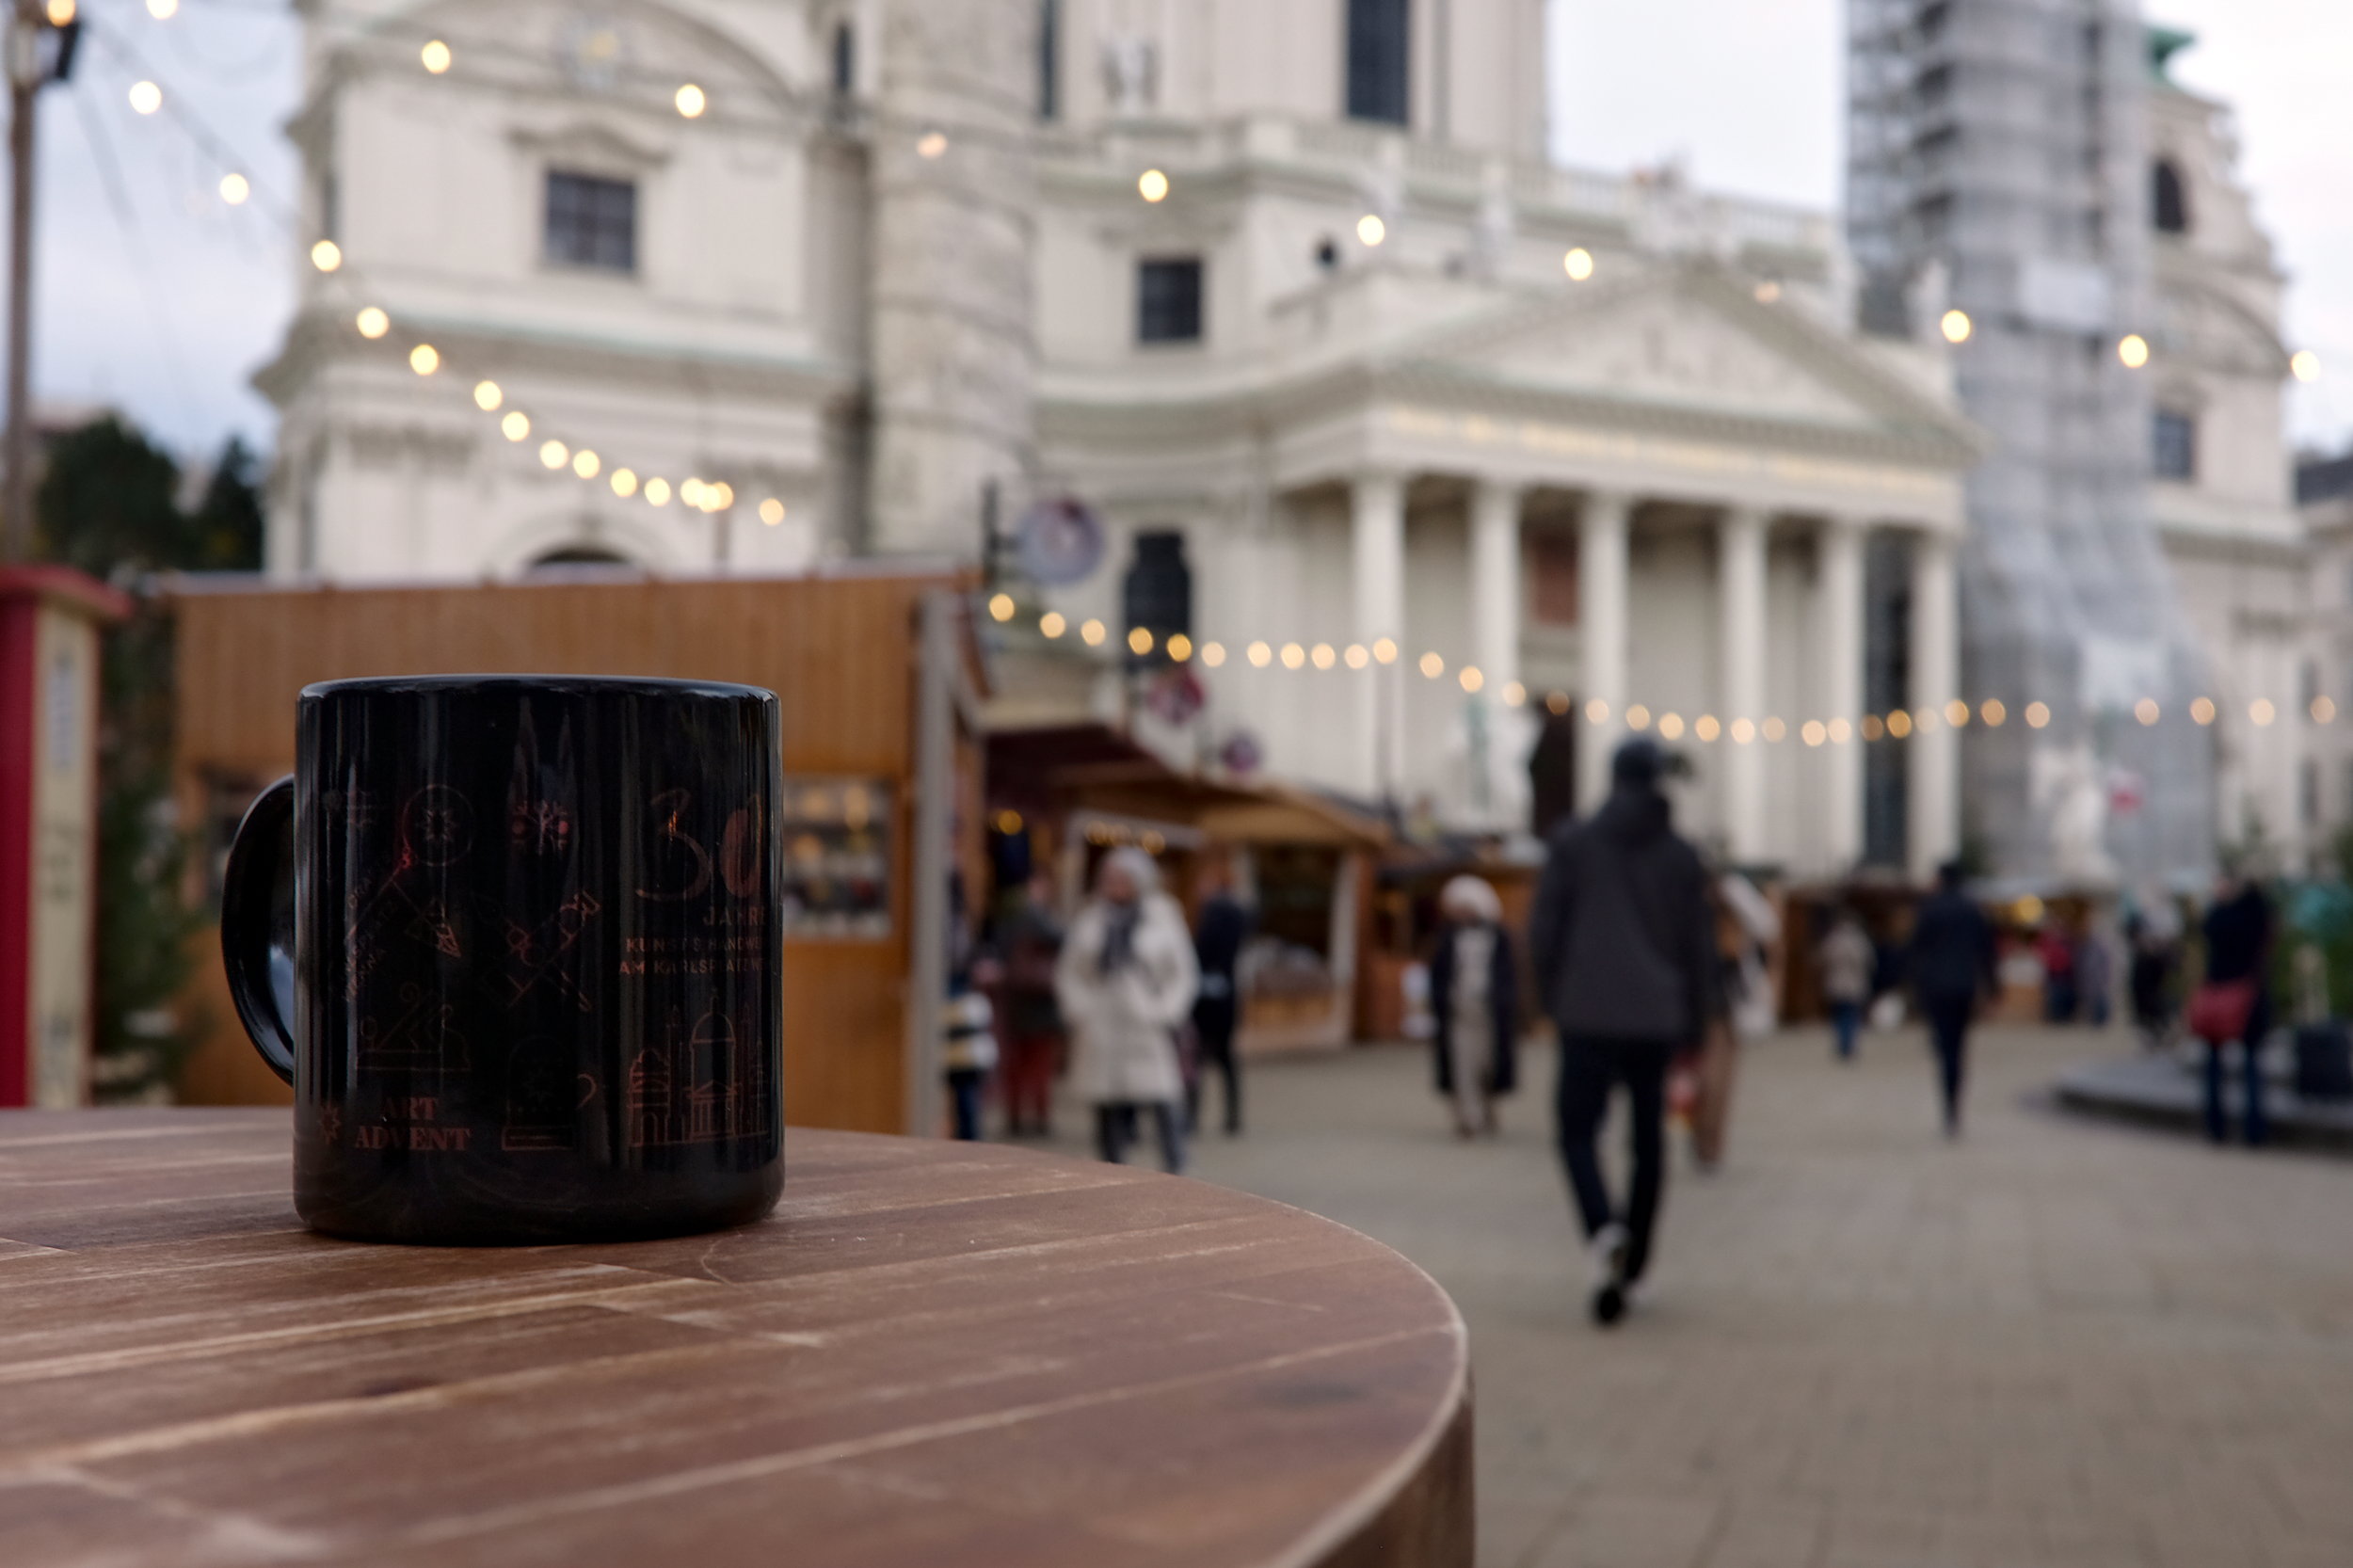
514 941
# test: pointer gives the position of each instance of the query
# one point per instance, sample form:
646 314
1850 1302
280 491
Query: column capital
1613 506
1847 524
1488 484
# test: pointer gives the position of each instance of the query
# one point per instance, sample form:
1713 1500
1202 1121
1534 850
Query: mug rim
565 685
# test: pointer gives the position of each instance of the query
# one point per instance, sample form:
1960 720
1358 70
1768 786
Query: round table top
932 1353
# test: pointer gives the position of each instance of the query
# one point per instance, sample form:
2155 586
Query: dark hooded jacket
1622 936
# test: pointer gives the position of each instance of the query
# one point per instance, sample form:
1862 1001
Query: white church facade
1455 454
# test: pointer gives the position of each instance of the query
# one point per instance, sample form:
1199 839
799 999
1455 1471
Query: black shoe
1609 1303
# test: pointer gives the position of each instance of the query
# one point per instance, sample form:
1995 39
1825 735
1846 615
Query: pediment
1682 344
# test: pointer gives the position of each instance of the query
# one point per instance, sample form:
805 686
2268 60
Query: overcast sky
163 302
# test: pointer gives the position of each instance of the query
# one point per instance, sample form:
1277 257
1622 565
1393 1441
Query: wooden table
934 1353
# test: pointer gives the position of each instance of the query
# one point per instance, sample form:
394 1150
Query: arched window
2169 201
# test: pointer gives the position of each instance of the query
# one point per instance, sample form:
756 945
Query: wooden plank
932 1352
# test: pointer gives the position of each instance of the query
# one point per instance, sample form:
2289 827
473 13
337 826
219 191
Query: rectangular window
592 221
1380 45
2175 445
1168 300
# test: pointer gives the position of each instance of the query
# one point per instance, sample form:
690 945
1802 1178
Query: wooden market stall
1072 793
876 671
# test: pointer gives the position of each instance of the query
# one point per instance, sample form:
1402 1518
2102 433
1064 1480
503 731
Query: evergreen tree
106 504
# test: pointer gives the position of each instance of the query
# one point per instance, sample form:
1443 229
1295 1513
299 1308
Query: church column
1935 803
1839 609
1377 540
1495 621
1601 616
1740 586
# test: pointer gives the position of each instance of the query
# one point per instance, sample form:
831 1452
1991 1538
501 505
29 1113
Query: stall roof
1094 767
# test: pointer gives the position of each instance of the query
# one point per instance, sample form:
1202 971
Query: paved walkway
2058 1341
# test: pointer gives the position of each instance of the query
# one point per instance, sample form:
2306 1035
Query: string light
1515 694
163 11
690 493
931 144
2262 711
1873 726
1258 655
1370 229
1152 185
2146 709
1000 607
1008 822
2038 716
1293 656
1384 650
554 454
61 12
1213 654
1957 326
1840 732
1743 731
718 497
1579 263
436 57
2132 350
587 463
1992 713
326 256
2323 711
373 323
1638 717
234 188
516 425
1433 665
1596 710
1773 730
2201 709
1556 703
657 491
1470 679
425 359
1322 656
1957 713
487 396
690 100
771 511
2304 365
1670 726
1706 728
1357 656
1180 648
1812 733
624 482
146 97
1052 624
1899 724
1092 632
1139 641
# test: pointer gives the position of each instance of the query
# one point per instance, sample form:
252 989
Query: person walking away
968 1052
2056 950
1622 941
1952 965
1218 939
1031 940
1125 981
1475 998
2232 1003
1847 959
2095 978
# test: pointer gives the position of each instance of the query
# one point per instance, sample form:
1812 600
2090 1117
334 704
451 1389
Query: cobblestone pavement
2058 1341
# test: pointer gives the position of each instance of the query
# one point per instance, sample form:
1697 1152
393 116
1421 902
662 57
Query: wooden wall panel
839 651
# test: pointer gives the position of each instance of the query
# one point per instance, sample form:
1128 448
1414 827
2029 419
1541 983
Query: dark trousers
1115 1128
964 1100
1027 1073
1213 1021
1846 1018
1591 1066
2258 1126
1948 1032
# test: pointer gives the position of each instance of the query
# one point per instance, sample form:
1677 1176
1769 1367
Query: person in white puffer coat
1125 981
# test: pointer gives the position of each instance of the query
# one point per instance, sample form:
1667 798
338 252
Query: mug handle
259 857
